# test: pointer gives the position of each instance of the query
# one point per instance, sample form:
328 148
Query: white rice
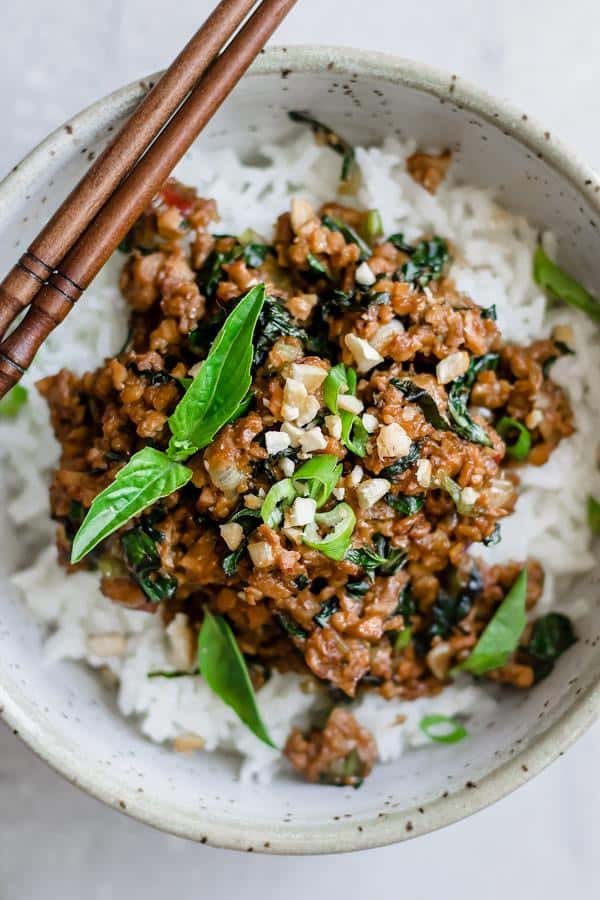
493 265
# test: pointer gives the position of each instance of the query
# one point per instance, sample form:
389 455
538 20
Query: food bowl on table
67 712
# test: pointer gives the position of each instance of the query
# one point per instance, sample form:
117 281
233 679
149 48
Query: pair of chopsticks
84 232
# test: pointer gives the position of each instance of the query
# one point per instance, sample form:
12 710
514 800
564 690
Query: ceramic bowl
62 713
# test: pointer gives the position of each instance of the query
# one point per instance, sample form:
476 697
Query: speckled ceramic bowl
62 713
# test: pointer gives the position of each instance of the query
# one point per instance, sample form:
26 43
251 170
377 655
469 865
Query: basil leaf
255 254
322 474
224 669
328 608
140 550
516 436
349 234
292 627
458 399
393 472
399 243
424 401
449 610
148 476
358 589
503 632
427 260
160 674
231 560
212 270
405 504
223 381
280 495
383 558
317 266
329 137
274 322
490 313
593 514
157 586
451 732
494 538
354 433
552 634
550 277
341 520
12 403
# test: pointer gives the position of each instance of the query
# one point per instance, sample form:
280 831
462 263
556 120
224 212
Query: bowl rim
342 836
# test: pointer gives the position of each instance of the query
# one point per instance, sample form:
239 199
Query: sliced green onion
373 225
403 639
354 433
322 474
450 733
341 520
516 436
280 495
556 281
593 514
12 403
455 492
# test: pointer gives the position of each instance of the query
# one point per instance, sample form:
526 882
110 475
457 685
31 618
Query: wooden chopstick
50 246
90 252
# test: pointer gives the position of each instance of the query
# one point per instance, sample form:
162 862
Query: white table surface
542 842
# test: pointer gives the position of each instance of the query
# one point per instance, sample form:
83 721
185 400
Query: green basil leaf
451 730
288 624
328 608
427 260
157 586
458 399
274 322
494 538
396 469
550 277
317 266
358 589
281 495
159 674
322 474
349 234
383 558
341 520
516 436
148 476
593 514
490 313
331 139
223 381
12 403
405 504
501 636
424 401
255 254
225 671
552 634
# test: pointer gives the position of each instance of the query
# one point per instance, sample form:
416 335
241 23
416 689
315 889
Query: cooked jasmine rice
492 253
